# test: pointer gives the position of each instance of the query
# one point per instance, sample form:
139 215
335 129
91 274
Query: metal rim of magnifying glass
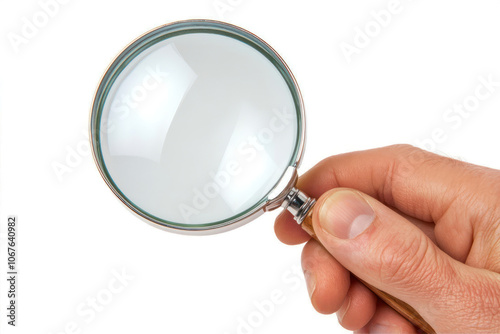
280 190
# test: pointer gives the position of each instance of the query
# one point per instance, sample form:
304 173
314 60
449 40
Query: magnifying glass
198 127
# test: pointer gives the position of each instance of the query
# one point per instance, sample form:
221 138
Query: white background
73 233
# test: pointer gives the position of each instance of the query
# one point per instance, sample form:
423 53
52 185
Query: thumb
387 251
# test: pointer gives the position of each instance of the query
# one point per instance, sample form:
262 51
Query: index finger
418 183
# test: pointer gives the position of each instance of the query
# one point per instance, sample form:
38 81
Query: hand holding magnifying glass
419 226
198 127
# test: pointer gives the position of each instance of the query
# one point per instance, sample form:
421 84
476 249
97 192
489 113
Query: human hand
421 227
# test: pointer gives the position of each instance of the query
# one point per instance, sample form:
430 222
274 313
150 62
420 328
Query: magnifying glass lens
196 126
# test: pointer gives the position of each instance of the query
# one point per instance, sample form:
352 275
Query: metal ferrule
298 204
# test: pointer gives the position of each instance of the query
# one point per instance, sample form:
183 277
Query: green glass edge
154 37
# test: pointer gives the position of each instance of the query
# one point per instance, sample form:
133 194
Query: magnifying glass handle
301 205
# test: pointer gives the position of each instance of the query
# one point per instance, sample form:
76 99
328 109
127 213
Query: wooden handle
400 306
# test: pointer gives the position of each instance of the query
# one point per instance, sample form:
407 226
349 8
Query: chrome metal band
298 204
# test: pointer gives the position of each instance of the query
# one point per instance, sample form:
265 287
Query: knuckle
406 160
313 254
405 150
405 263
402 148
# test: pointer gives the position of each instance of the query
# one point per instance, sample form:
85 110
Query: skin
434 242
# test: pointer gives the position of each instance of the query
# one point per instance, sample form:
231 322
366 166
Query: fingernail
345 214
310 282
383 329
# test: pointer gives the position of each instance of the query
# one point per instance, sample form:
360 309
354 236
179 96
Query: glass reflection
198 128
